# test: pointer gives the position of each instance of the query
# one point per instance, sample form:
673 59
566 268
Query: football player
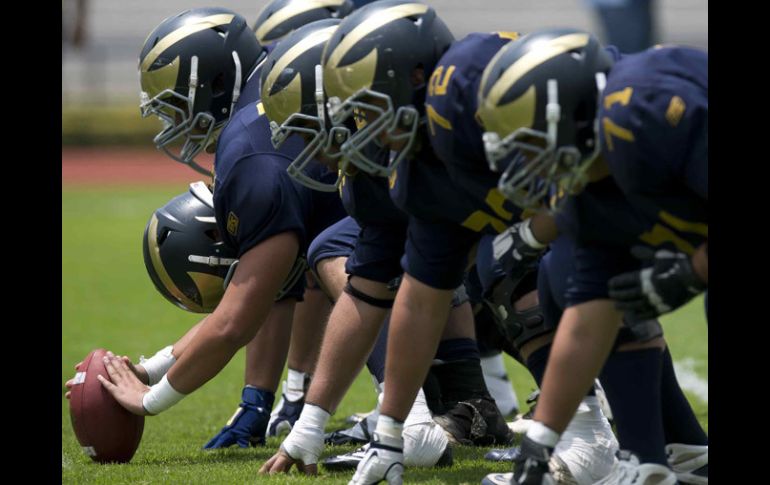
294 99
195 69
374 264
377 66
616 147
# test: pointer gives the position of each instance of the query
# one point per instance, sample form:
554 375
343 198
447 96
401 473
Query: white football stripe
80 378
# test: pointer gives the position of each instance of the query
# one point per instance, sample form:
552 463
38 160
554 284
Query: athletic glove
665 286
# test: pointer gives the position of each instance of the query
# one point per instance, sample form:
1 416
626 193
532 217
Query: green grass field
108 301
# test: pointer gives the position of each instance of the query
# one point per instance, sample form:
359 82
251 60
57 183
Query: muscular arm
244 306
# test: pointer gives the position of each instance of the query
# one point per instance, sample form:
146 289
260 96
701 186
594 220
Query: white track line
690 381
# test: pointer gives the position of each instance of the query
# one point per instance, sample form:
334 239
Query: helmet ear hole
212 234
163 235
218 85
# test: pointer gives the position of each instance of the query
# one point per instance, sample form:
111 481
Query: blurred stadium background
100 89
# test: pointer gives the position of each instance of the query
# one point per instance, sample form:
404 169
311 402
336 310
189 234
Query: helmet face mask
191 69
293 97
538 102
374 69
196 131
377 123
320 146
539 168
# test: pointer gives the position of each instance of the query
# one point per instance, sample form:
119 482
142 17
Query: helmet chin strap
237 86
319 96
553 111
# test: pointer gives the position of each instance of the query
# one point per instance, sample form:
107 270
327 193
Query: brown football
106 431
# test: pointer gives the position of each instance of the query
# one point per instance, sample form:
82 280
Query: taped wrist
369 300
525 231
157 365
306 439
161 397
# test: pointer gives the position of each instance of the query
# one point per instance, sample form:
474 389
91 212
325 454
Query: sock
460 380
496 378
390 431
632 381
679 422
457 349
536 363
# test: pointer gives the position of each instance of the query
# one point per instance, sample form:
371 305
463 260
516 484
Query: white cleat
628 471
689 462
586 450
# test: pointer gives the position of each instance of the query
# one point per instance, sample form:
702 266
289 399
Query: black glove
514 253
665 286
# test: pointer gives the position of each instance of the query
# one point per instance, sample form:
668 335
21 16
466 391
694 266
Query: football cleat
689 462
628 471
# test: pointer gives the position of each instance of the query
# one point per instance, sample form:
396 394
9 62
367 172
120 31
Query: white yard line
690 381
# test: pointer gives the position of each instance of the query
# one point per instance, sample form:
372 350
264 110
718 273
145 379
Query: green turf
108 301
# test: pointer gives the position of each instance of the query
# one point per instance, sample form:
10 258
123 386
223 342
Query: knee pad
519 327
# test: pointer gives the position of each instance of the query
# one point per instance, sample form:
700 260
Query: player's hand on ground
281 462
123 384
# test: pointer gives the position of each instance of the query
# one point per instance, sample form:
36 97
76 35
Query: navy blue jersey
254 197
446 186
654 129
454 131
365 198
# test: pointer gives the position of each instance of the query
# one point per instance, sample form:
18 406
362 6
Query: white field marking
690 381
65 462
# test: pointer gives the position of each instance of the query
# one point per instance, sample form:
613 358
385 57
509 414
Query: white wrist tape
157 365
525 231
306 439
161 397
542 434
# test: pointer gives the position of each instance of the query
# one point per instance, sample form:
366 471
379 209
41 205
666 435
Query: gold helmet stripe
155 81
210 288
189 28
300 48
293 8
504 119
161 270
372 23
535 57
